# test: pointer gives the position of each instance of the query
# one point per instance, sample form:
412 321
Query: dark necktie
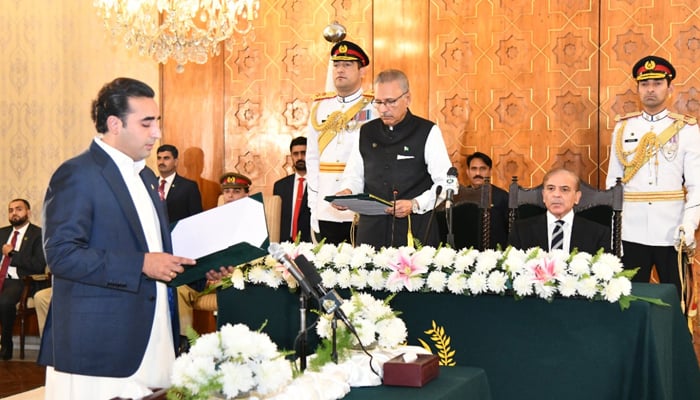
161 189
297 208
558 236
6 261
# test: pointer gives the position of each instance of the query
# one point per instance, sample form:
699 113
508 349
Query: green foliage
325 350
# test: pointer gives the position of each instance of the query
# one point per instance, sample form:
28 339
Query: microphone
278 253
451 186
310 283
438 191
329 300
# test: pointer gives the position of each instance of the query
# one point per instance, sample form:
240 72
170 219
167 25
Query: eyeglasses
388 102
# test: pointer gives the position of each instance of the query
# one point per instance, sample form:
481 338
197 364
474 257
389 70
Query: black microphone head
452 172
308 269
438 190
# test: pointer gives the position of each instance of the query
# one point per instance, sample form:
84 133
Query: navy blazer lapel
151 182
115 181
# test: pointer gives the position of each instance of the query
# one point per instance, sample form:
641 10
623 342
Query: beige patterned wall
55 57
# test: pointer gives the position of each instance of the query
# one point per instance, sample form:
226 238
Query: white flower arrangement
230 362
531 272
375 322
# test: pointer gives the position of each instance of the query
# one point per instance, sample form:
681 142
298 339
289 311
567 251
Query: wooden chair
25 307
471 217
601 206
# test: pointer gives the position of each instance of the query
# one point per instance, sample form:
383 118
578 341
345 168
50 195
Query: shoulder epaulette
369 94
628 115
685 118
325 95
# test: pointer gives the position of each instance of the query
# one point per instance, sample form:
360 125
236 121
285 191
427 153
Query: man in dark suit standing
22 255
560 228
181 194
111 327
292 189
479 168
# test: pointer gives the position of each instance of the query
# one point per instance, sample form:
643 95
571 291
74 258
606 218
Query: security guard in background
657 154
334 128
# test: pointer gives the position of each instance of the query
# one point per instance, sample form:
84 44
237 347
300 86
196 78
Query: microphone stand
448 216
334 328
302 331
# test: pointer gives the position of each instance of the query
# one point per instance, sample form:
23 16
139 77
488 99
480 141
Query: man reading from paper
401 158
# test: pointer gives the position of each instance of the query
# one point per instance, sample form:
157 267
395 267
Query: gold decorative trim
442 344
655 196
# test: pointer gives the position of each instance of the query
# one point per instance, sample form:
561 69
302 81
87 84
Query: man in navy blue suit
288 189
560 192
111 327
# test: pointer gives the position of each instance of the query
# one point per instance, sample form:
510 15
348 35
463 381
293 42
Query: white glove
314 223
688 237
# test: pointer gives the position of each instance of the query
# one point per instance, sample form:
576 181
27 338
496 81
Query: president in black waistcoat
399 157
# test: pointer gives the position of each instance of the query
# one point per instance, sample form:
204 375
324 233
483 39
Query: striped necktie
557 236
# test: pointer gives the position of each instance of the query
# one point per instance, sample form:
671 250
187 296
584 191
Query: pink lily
404 269
545 272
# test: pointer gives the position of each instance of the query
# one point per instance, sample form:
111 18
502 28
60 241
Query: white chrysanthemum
417 283
272 279
358 278
580 264
444 258
602 271
366 330
271 375
457 283
515 261
612 262
477 283
256 274
376 279
236 378
238 279
568 284
323 327
369 306
395 285
208 346
329 278
343 278
465 260
543 290
496 281
391 332
342 259
424 256
615 288
587 287
559 255
201 369
384 257
436 281
522 285
361 256
325 255
487 260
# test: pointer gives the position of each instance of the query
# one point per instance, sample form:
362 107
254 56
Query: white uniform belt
331 167
655 196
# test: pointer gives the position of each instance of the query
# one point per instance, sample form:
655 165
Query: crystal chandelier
187 30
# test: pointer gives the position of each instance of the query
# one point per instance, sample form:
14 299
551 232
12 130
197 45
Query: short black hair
26 203
477 154
168 147
113 99
297 141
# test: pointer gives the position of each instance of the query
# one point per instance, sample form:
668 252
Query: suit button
152 298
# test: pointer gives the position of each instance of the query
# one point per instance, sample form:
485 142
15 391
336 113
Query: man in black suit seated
181 195
295 209
478 168
560 228
22 255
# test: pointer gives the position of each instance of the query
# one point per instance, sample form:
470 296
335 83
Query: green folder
235 254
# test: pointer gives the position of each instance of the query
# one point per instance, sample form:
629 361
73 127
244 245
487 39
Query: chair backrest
601 206
273 215
471 217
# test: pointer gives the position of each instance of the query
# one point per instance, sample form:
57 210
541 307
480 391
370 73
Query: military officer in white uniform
334 127
657 154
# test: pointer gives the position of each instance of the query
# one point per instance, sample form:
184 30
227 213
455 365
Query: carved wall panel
533 83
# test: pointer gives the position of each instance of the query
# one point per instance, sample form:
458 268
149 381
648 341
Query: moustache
478 177
300 165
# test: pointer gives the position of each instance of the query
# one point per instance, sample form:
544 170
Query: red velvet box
417 373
